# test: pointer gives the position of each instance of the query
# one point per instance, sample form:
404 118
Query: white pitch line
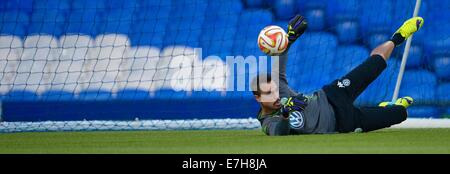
424 123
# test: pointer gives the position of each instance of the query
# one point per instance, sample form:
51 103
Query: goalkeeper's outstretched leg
344 91
330 109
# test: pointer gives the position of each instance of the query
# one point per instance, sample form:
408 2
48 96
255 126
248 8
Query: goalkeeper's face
269 95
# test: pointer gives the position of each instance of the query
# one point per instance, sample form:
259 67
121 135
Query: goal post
405 56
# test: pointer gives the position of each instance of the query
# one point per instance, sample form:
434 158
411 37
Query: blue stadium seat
57 95
149 33
407 10
443 93
202 95
421 77
443 4
117 21
171 94
20 5
45 16
348 57
149 10
51 5
239 95
315 46
372 19
339 10
376 39
97 5
20 95
284 9
149 23
347 31
304 79
317 50
188 9
438 39
247 48
45 28
415 59
316 19
372 96
251 22
436 12
305 5
255 3
309 82
218 43
441 65
13 29
184 33
187 17
420 85
283 24
246 102
123 4
95 95
146 4
14 16
256 16
132 94
224 8
47 22
13 22
84 22
424 112
219 28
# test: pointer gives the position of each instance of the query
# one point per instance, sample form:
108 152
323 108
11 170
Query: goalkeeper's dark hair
256 89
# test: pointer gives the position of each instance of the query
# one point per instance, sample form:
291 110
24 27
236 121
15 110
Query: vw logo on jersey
346 82
296 120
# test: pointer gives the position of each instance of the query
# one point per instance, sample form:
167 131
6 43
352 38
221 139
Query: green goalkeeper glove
296 103
296 27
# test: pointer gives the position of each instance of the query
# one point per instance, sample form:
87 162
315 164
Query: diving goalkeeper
330 109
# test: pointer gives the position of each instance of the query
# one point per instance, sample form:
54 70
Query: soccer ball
273 40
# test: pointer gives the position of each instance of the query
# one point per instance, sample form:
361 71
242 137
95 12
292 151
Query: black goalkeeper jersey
318 116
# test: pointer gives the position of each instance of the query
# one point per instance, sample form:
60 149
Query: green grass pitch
226 142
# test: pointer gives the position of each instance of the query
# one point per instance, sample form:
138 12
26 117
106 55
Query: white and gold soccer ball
273 40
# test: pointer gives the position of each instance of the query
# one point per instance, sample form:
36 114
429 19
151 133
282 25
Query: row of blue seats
321 50
371 19
213 43
124 94
399 9
281 7
65 5
419 84
163 97
156 110
329 61
428 112
214 35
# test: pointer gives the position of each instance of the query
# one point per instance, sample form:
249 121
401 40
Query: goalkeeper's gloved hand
296 103
296 27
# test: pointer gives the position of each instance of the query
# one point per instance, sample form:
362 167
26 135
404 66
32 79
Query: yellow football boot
404 101
410 26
